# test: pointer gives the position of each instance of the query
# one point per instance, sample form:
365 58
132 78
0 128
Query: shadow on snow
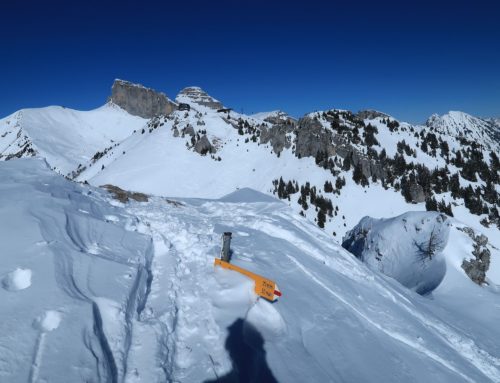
245 346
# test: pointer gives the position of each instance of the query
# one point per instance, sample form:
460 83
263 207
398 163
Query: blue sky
407 58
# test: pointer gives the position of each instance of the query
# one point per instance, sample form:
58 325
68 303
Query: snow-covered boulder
407 248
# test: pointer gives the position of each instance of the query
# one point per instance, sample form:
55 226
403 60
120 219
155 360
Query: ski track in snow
482 360
492 374
37 358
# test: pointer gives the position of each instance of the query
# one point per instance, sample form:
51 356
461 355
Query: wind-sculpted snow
128 293
57 329
407 248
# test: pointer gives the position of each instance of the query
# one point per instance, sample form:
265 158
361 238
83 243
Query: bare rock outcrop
203 146
139 100
312 137
417 193
125 195
477 267
277 136
370 114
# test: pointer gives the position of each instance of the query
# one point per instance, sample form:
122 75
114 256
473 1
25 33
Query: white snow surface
65 137
407 248
456 123
136 298
272 114
49 321
19 279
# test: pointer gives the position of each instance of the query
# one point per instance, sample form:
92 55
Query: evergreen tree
489 193
321 219
431 204
455 186
399 164
445 149
405 189
383 155
370 132
347 164
445 208
328 187
339 182
357 174
281 189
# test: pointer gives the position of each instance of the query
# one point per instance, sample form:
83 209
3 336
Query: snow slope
159 163
407 248
65 137
455 124
129 293
83 279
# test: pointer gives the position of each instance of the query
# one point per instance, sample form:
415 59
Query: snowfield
66 138
128 293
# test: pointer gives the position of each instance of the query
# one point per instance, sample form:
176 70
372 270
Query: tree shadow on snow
245 346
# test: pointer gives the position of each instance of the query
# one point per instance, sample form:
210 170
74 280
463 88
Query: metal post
226 247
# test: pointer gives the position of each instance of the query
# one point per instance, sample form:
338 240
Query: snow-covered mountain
375 156
137 280
459 124
66 138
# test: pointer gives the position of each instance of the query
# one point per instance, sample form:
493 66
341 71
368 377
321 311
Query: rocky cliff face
139 100
277 136
312 137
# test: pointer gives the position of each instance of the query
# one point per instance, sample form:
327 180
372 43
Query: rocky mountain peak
139 100
196 95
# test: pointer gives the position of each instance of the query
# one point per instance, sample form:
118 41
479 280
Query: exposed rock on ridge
477 267
139 100
312 137
196 95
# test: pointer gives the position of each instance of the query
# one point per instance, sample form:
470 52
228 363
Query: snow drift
407 248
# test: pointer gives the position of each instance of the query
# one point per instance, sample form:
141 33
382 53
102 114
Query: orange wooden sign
264 287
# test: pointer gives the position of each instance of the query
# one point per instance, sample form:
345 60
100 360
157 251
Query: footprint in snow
19 279
49 321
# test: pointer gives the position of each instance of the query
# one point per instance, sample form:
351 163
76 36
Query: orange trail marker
264 287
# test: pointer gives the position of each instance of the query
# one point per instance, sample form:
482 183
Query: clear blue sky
406 58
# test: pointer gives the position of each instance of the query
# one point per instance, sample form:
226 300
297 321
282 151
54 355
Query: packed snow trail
267 240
